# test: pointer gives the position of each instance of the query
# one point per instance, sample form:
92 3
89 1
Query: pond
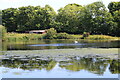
69 67
58 44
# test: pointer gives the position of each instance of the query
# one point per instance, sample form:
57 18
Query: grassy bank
26 37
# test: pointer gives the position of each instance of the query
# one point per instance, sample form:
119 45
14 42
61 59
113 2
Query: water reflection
29 64
75 44
115 67
92 65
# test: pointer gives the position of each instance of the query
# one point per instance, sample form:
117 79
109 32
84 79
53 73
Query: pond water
49 68
73 68
58 44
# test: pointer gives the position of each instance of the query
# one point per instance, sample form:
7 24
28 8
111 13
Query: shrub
51 34
63 36
85 34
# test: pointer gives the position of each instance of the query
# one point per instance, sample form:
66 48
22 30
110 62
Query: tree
114 6
26 18
31 17
73 18
114 9
96 19
49 17
67 18
9 17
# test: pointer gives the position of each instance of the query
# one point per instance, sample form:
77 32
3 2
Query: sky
56 4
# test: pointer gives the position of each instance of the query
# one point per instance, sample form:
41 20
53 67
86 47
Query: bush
51 34
85 34
63 36
2 32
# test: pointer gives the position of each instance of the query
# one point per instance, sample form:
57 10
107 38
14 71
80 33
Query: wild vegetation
52 34
72 19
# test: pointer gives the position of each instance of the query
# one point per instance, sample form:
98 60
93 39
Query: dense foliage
51 33
73 18
114 9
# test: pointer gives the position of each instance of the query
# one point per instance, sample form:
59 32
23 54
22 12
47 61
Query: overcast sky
56 4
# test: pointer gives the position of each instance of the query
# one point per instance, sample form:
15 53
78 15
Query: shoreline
27 37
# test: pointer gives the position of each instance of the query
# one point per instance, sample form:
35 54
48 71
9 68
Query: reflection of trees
71 65
115 67
94 65
29 64
0 45
50 66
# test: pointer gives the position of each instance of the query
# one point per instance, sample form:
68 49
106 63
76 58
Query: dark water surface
73 68
58 44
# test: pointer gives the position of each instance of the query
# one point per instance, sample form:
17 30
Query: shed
38 31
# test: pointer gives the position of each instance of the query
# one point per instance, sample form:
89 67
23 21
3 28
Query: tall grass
76 36
23 37
101 37
2 32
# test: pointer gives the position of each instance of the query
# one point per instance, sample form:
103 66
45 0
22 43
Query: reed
102 37
23 37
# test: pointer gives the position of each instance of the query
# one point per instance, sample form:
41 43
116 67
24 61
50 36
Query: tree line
94 18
